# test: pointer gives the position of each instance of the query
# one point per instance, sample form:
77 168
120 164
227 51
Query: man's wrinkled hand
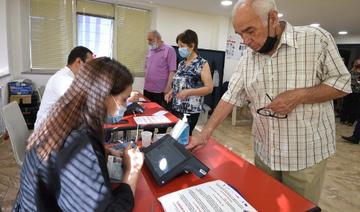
285 102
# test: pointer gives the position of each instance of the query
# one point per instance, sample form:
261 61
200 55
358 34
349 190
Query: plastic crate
20 88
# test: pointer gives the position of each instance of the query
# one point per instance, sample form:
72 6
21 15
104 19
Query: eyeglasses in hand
265 112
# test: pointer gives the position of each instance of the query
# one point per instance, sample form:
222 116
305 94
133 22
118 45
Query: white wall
18 37
4 60
211 29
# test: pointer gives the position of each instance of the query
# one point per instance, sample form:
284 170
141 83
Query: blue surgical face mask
184 52
113 119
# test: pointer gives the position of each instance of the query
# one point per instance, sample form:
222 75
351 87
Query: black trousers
192 119
356 133
351 108
158 98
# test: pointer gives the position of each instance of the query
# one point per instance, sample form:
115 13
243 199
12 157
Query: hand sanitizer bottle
184 136
181 131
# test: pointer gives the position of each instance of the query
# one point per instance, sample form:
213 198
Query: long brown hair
82 104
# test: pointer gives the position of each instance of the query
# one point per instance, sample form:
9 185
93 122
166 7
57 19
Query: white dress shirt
57 85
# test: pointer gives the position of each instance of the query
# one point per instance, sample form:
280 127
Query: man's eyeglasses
265 112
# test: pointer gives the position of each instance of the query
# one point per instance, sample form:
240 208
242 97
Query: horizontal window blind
132 28
51 33
52 23
95 8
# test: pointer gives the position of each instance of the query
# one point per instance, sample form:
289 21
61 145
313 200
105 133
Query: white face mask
153 46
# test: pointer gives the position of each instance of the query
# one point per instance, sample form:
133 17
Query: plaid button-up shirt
305 57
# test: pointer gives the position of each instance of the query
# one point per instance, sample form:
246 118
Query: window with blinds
132 28
95 27
106 29
86 7
51 32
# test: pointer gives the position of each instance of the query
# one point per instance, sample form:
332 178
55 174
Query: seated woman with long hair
65 167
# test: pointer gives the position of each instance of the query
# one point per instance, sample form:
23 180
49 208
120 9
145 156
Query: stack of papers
143 120
212 196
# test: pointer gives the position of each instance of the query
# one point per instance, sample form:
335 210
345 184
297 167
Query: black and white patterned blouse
188 77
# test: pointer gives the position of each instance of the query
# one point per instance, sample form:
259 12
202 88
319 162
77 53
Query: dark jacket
73 179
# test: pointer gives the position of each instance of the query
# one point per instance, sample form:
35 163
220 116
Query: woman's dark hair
190 38
82 104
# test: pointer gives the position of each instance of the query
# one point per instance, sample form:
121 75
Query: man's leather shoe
351 139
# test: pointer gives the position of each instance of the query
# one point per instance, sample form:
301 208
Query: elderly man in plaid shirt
290 75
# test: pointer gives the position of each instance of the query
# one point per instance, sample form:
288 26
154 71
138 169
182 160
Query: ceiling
333 15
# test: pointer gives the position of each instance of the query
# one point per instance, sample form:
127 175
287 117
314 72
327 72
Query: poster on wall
234 47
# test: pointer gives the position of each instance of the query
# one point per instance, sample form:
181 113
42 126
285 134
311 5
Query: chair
40 91
17 130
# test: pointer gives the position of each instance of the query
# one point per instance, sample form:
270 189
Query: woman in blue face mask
192 80
117 106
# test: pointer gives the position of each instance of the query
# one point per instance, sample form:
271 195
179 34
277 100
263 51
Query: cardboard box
25 99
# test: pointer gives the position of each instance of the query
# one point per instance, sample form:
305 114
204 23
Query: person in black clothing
65 167
355 138
350 111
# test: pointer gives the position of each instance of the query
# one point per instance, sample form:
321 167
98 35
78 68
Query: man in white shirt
61 81
290 75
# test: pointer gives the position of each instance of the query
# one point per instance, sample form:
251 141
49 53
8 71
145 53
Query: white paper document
160 113
142 120
215 196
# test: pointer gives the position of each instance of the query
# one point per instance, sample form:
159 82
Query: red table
260 190
149 109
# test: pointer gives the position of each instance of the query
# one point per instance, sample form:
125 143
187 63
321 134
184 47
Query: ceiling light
280 15
343 33
226 3
315 25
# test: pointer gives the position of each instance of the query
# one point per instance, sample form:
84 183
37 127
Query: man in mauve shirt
160 68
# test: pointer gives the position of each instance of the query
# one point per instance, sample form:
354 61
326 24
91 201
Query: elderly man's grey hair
261 7
156 34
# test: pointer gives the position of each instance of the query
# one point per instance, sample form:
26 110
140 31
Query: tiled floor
341 190
9 176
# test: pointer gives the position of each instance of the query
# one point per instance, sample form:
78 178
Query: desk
260 190
149 109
